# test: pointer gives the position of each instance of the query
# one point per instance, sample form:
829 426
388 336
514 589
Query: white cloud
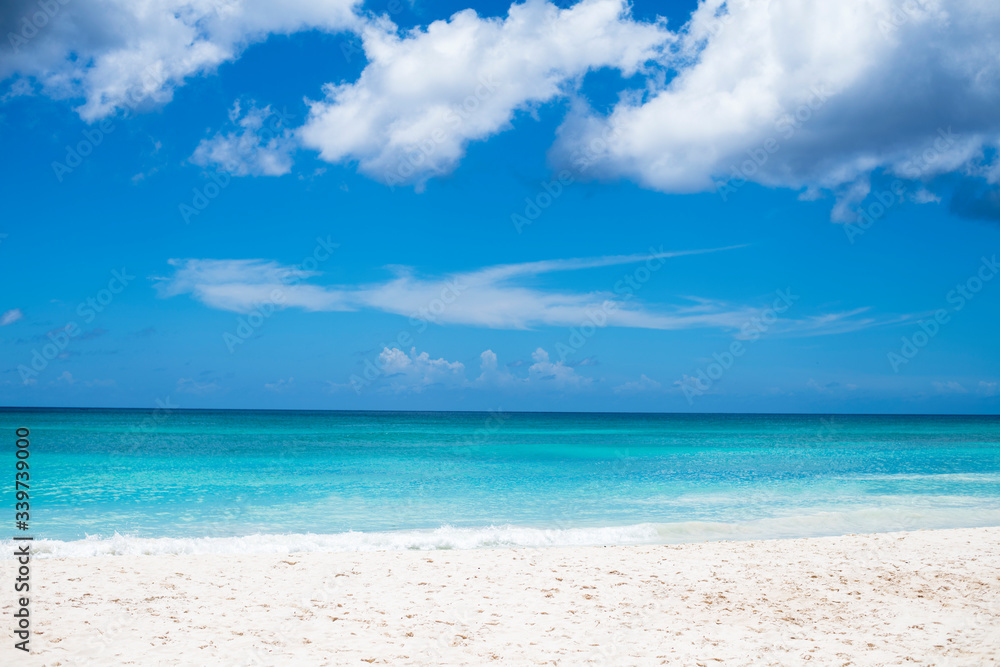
492 297
241 285
950 387
67 378
830 387
491 375
808 95
488 361
192 386
823 97
261 145
987 388
925 196
643 384
827 324
416 372
558 374
19 88
426 94
117 54
11 316
405 372
280 386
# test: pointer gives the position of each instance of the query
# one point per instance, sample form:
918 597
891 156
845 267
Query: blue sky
539 207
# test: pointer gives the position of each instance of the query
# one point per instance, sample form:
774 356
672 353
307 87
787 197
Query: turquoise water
121 481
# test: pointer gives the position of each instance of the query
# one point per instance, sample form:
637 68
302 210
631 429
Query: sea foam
508 536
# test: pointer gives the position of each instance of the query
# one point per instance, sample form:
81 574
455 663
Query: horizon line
7 408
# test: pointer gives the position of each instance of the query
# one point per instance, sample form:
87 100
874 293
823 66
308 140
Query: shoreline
927 596
507 536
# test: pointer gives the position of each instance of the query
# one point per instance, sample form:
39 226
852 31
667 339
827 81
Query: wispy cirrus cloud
11 316
490 297
495 297
241 285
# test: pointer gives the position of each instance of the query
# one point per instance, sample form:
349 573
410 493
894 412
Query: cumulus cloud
828 98
490 374
558 374
643 384
260 145
417 371
817 96
11 316
426 94
120 54
414 372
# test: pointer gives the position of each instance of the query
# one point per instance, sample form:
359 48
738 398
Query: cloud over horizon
402 372
490 297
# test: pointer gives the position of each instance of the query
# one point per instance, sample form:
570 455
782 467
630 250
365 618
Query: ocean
109 482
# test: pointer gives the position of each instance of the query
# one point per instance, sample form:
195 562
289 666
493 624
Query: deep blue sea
191 481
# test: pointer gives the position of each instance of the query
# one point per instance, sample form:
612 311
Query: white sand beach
926 597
